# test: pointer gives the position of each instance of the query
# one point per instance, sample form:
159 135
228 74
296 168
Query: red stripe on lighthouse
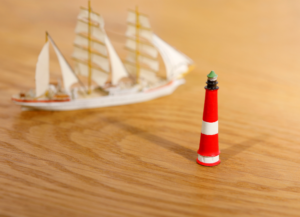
210 113
210 145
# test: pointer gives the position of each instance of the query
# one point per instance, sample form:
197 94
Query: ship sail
85 13
42 71
144 47
90 51
97 73
141 61
81 54
176 62
82 41
68 75
118 69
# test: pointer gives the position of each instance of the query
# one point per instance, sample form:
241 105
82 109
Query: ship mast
46 37
90 51
89 48
141 62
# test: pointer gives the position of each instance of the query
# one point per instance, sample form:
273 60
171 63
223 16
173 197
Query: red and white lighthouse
208 153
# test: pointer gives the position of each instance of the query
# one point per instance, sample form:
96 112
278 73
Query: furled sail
141 60
42 71
176 62
68 75
90 51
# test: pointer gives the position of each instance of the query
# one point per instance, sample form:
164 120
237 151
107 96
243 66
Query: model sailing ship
110 82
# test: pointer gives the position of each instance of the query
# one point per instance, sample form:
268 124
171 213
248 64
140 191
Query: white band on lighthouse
208 160
209 128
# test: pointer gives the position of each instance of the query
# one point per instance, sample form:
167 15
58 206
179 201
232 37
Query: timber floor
140 160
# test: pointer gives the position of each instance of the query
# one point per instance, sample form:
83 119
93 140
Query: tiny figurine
100 77
208 153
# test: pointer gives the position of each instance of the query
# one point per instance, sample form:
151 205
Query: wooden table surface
140 160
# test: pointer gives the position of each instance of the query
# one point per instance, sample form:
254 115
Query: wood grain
139 160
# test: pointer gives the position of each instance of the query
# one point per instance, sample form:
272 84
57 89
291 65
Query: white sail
143 47
145 74
68 75
142 53
83 41
91 49
152 63
99 47
84 15
176 62
80 53
144 33
96 32
98 76
148 75
100 61
142 19
117 68
130 68
42 71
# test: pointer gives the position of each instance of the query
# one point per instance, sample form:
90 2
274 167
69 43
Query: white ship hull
104 101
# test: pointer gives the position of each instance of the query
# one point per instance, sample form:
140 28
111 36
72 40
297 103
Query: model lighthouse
208 153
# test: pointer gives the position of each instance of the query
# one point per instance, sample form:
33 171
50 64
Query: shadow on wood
189 154
238 148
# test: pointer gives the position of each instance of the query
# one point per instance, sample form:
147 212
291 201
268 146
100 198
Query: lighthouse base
208 161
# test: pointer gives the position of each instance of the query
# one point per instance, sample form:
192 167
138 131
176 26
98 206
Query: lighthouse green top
212 74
